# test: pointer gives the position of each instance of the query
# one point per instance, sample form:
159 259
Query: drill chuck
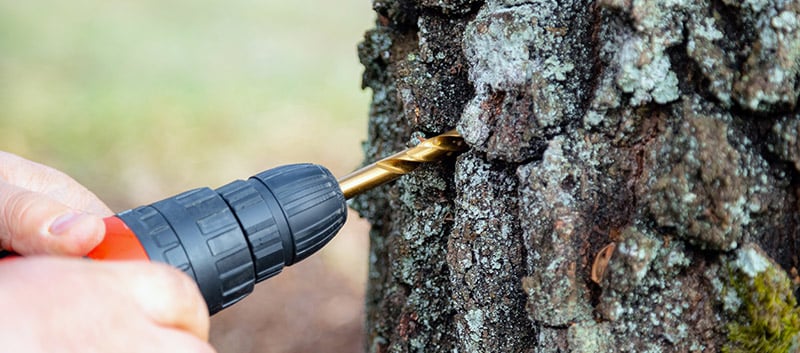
233 237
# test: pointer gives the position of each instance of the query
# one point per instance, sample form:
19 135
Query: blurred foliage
142 99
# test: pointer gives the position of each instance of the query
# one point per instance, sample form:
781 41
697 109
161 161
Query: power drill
233 237
244 232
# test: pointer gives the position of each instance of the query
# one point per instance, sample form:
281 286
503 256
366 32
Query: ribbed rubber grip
244 232
197 232
260 225
312 202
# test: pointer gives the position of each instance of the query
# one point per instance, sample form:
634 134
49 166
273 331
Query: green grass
142 99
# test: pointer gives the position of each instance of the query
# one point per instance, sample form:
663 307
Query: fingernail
63 223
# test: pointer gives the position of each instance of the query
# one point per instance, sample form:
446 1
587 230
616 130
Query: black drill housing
242 233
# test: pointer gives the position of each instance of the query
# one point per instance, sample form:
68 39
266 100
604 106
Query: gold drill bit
403 162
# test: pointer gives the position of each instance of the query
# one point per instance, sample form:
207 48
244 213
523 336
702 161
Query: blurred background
142 99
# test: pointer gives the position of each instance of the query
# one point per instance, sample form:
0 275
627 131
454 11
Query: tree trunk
632 182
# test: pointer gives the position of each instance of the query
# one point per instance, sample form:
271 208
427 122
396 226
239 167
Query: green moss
768 319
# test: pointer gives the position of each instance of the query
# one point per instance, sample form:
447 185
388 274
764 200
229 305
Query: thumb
33 223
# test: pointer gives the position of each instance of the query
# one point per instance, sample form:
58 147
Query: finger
169 297
103 306
32 223
41 178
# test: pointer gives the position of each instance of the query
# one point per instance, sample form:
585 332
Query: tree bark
632 181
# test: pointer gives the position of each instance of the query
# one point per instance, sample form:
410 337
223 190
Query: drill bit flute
403 162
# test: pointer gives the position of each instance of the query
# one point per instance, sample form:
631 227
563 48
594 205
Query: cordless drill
242 233
233 237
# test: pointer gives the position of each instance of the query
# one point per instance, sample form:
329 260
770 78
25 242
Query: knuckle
18 207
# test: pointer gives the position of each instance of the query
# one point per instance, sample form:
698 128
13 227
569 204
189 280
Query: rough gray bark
632 182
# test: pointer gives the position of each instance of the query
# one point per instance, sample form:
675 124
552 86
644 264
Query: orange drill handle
120 243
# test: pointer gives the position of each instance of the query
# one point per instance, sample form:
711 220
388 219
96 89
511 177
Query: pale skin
51 300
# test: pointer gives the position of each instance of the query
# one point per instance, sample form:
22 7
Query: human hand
44 211
77 305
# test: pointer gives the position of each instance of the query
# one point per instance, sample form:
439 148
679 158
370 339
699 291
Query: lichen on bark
667 129
698 195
